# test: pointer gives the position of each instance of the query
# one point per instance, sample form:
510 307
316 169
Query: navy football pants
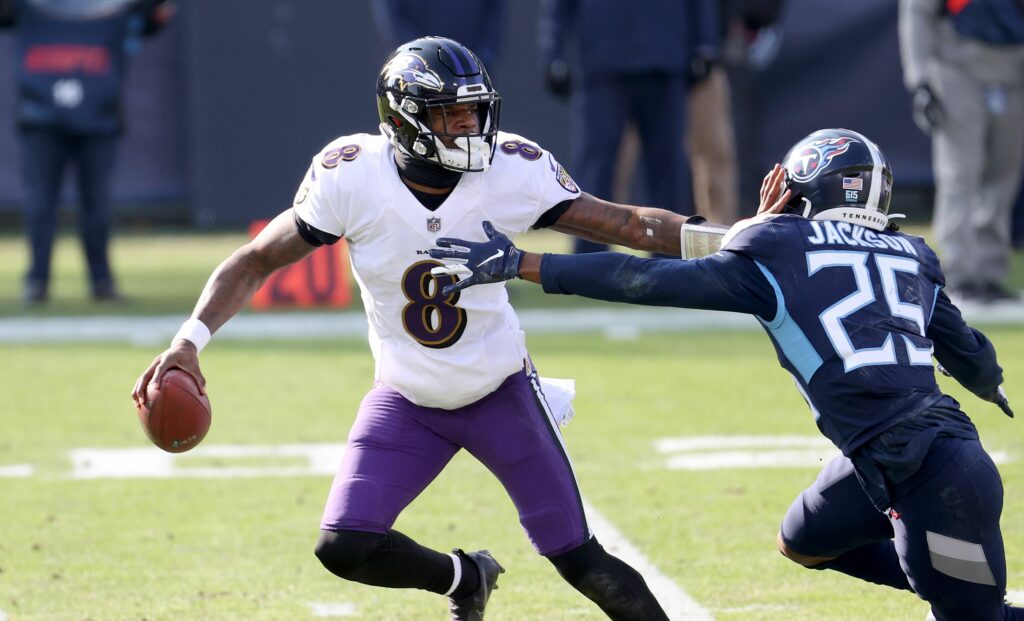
944 525
47 154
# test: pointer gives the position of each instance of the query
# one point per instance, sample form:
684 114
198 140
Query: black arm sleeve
723 281
552 215
966 353
314 236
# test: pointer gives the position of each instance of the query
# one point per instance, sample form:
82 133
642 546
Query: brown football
177 416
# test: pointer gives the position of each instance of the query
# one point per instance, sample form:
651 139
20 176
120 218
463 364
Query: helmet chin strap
807 207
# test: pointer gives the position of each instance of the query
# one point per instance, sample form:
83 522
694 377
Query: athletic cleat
471 607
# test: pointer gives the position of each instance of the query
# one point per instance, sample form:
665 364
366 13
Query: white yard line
1015 597
322 609
677 604
17 471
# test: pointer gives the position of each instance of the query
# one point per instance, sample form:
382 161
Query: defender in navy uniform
856 311
72 56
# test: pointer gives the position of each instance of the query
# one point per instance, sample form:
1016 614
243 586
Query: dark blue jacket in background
996 22
477 25
622 36
70 69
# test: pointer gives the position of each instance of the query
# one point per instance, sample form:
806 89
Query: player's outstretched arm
642 228
228 290
648 228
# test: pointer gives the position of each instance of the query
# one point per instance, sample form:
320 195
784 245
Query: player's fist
557 79
927 109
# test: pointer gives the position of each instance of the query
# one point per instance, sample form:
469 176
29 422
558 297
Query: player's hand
558 79
927 109
998 396
774 191
701 65
480 263
181 355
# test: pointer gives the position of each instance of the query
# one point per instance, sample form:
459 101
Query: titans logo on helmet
406 69
815 157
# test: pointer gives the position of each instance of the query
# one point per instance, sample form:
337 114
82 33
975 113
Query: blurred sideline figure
633 63
963 61
452 371
477 24
72 56
717 115
855 310
751 43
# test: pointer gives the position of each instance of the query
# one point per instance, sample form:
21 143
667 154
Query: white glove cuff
195 332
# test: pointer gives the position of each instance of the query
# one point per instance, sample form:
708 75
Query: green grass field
195 544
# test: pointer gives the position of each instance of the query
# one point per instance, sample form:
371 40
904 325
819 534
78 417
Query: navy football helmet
426 75
838 174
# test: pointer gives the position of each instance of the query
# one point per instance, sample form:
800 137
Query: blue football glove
998 396
481 263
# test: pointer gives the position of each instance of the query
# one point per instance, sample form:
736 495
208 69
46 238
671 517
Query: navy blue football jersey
855 315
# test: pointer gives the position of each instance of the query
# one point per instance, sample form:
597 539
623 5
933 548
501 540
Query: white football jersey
437 351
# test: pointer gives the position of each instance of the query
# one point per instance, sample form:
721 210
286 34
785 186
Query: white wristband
195 332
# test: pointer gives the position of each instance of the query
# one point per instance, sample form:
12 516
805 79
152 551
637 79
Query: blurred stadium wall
226 107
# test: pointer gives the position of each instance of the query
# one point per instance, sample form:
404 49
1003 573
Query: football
177 416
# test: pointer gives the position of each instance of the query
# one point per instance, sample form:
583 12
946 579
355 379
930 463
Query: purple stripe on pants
396 448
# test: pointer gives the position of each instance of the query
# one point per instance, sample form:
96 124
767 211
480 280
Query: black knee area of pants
618 589
574 564
344 552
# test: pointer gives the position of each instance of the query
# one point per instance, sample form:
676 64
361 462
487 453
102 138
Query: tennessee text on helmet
838 174
424 78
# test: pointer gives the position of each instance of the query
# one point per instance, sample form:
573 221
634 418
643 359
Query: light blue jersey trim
791 339
935 300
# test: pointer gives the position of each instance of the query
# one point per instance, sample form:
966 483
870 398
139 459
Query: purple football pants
396 448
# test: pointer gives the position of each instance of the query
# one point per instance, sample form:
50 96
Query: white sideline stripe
727 452
152 463
621 323
16 471
159 330
1014 597
766 459
3 616
677 604
694 443
322 609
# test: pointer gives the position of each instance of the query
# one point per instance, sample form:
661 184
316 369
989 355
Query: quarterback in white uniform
452 371
420 338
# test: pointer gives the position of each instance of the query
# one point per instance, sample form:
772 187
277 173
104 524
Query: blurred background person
748 42
751 40
1018 219
477 24
632 63
71 62
710 139
963 61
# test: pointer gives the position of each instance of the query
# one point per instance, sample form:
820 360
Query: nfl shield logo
433 224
